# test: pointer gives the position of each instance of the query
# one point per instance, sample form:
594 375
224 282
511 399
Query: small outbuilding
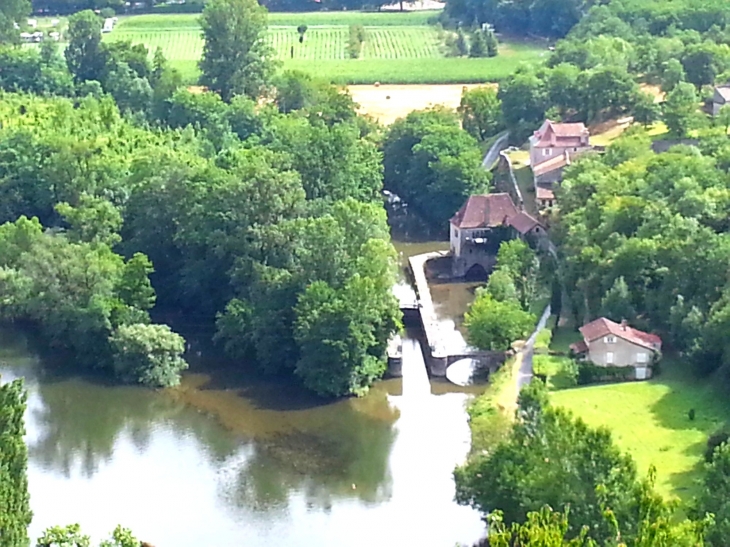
720 98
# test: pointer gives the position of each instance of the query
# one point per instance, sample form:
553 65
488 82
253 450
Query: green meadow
399 48
649 419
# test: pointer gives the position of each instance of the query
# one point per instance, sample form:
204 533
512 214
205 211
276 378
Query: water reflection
228 459
205 465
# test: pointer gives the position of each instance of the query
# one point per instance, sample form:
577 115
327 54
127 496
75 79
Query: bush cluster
589 373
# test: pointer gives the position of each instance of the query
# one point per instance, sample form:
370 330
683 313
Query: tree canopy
222 210
433 164
236 59
553 462
16 514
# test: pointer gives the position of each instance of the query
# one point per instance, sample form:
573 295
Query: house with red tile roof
552 148
609 344
482 223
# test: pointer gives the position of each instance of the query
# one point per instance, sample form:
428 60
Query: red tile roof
523 222
579 347
544 193
485 211
602 326
560 134
553 164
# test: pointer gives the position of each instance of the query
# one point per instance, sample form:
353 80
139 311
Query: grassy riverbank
648 420
491 413
399 48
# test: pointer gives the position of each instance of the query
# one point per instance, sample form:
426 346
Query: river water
229 459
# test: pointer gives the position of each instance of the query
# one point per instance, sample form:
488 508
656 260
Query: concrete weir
438 356
445 346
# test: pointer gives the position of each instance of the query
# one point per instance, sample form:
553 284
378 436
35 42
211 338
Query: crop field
398 48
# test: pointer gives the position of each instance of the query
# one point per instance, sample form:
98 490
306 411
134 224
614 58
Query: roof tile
485 211
523 222
602 326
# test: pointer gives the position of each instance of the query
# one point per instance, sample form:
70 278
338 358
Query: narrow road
493 153
525 374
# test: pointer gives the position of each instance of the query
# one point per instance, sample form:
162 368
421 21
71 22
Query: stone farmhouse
482 223
720 98
552 148
607 343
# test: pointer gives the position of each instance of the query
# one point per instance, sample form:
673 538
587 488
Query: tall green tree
521 263
714 497
646 110
236 58
481 112
85 56
15 515
616 303
680 109
433 164
493 325
478 44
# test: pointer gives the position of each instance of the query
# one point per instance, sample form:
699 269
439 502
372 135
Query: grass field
399 47
649 420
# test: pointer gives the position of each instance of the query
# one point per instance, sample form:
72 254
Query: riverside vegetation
108 170
641 236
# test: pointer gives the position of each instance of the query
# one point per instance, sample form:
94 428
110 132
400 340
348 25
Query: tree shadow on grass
695 408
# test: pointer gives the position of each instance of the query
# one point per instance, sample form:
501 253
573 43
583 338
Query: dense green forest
265 220
646 238
236 232
556 18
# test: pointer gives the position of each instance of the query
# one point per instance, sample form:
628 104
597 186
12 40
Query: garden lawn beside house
649 420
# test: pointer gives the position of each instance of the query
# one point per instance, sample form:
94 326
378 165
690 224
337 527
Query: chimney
624 324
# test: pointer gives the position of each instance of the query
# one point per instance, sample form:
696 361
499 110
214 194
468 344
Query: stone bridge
442 346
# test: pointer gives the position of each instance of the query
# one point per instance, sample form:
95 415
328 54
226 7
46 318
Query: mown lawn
650 421
400 48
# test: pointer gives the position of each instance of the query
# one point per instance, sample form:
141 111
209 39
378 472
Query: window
547 151
610 339
609 358
642 357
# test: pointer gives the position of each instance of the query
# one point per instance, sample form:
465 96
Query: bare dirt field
387 103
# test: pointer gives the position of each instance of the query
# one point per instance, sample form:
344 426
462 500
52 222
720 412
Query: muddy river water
226 461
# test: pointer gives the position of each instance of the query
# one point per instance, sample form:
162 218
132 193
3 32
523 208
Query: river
231 461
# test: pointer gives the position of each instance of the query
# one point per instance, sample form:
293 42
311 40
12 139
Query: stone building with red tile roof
607 343
552 148
482 223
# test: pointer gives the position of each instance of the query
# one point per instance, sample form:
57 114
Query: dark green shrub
713 442
588 373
